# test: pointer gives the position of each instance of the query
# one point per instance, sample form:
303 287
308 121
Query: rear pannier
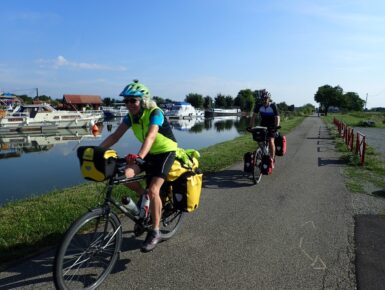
185 181
280 144
97 163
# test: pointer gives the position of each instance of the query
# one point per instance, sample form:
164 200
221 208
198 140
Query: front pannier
248 162
97 163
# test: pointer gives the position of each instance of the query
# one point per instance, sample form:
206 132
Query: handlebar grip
140 161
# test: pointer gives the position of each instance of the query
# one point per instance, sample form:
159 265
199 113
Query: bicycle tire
95 238
257 172
171 219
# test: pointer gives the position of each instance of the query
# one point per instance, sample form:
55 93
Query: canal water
34 164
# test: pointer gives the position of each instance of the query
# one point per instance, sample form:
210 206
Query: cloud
62 62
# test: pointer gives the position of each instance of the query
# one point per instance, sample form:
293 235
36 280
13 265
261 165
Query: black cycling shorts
159 165
271 131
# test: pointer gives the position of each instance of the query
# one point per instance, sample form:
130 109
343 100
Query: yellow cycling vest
162 144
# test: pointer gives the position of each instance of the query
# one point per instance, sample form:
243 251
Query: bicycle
91 246
260 135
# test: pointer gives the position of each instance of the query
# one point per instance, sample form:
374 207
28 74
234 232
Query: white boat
120 110
222 112
45 117
181 110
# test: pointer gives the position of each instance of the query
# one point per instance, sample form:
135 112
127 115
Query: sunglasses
130 101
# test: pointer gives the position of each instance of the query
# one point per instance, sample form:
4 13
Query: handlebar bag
97 163
259 134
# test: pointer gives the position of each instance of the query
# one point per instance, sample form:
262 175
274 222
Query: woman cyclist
158 148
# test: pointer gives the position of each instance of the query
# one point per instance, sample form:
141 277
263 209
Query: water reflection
15 144
220 124
55 152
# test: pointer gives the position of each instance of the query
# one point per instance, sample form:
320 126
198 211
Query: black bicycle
91 246
262 153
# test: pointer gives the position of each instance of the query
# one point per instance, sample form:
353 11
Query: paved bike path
292 231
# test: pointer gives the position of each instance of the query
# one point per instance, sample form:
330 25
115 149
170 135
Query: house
9 101
81 102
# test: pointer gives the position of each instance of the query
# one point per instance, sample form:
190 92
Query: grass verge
30 225
361 179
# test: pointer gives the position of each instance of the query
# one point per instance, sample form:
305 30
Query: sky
208 47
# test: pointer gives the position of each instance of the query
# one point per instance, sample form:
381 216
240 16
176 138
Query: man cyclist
158 148
269 116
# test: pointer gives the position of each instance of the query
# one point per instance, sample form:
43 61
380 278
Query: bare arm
114 137
277 120
150 138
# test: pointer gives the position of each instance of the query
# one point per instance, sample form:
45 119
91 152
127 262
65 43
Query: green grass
361 179
32 224
354 119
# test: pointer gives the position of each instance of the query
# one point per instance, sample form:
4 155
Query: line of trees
246 99
328 96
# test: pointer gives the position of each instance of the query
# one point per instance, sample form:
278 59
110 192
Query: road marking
317 262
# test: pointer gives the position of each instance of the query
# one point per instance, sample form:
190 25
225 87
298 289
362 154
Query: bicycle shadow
29 273
227 179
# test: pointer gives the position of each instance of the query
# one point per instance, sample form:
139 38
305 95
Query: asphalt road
295 230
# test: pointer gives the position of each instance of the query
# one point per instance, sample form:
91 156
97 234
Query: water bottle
130 205
145 206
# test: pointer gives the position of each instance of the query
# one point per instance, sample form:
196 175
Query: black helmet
265 94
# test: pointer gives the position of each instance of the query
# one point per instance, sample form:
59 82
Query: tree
245 100
283 107
159 101
328 96
107 102
207 102
229 101
196 100
26 99
352 102
220 101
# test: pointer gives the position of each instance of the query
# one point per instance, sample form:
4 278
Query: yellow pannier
185 179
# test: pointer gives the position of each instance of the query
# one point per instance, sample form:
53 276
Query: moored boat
222 112
43 116
181 110
120 110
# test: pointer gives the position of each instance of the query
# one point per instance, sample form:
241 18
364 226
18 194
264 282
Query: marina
47 160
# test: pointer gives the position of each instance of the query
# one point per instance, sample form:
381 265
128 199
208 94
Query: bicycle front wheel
88 252
257 173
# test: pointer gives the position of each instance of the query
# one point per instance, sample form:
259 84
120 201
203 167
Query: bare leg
272 148
155 200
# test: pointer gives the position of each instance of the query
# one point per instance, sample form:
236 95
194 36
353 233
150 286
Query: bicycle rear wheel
257 173
171 219
88 252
